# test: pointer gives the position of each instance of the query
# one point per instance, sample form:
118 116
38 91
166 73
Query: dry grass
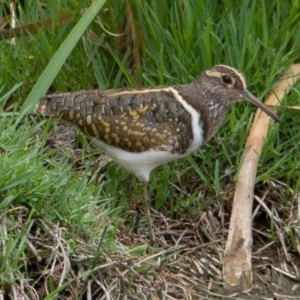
187 264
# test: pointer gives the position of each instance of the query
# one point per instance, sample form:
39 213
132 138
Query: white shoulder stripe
133 92
196 118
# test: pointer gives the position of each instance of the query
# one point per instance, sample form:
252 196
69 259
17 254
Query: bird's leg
144 202
128 187
146 208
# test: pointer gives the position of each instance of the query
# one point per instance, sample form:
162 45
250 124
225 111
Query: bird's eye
227 80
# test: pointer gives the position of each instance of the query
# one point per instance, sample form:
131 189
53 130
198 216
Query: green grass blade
55 64
4 98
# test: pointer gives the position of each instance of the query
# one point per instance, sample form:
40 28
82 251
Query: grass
67 226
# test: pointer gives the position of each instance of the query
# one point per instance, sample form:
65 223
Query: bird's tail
63 103
52 105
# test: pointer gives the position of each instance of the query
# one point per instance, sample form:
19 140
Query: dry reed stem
237 268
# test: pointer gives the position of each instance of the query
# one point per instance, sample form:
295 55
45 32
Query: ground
186 264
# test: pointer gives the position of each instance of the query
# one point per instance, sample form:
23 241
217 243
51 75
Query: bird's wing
135 120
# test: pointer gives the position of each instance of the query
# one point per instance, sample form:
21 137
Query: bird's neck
212 112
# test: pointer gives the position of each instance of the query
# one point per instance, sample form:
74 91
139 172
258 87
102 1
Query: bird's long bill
253 100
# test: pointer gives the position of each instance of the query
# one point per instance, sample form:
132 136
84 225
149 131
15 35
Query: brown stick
237 268
32 28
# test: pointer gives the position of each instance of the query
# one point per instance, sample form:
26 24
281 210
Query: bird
143 128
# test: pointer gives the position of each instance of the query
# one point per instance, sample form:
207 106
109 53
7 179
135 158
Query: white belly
141 164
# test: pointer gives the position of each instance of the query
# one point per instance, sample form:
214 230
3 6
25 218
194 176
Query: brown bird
143 128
